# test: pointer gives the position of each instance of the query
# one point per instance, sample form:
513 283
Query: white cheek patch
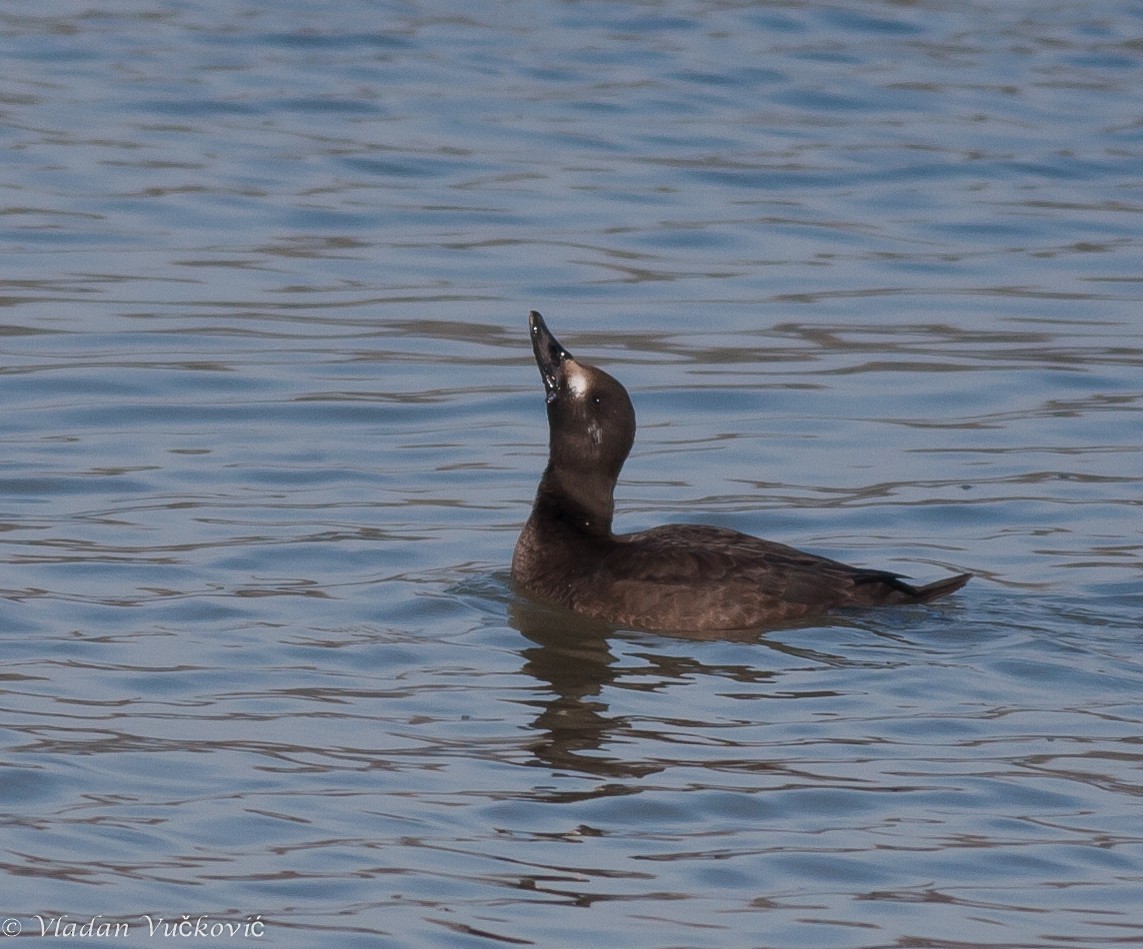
595 433
577 380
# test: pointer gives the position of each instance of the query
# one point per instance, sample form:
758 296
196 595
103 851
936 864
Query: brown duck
675 577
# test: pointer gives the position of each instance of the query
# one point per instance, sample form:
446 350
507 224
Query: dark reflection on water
572 663
870 271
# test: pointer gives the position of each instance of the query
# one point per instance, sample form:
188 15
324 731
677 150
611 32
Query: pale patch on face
577 379
579 383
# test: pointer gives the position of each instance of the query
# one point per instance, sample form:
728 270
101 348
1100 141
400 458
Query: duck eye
596 400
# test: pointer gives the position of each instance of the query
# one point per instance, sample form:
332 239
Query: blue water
871 272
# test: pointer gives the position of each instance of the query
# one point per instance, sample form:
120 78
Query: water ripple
871 275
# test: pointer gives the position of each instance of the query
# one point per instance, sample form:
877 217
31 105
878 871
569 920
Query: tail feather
885 587
939 588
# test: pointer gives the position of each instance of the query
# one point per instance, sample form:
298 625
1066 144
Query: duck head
591 424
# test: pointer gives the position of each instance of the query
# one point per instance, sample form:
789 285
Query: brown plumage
676 577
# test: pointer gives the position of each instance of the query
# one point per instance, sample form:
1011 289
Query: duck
690 577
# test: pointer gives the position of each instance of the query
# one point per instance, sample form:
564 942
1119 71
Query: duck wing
697 576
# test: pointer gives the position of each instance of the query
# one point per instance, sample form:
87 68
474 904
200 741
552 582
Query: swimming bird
675 577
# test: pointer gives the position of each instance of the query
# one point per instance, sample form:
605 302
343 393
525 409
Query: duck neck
586 501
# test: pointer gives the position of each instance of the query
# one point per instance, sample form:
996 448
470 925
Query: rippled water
871 272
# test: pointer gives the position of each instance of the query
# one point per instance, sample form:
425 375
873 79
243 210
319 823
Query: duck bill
550 355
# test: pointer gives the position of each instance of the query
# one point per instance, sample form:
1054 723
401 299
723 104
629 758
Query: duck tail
880 586
939 588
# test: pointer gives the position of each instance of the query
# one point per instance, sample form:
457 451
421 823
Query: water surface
871 274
